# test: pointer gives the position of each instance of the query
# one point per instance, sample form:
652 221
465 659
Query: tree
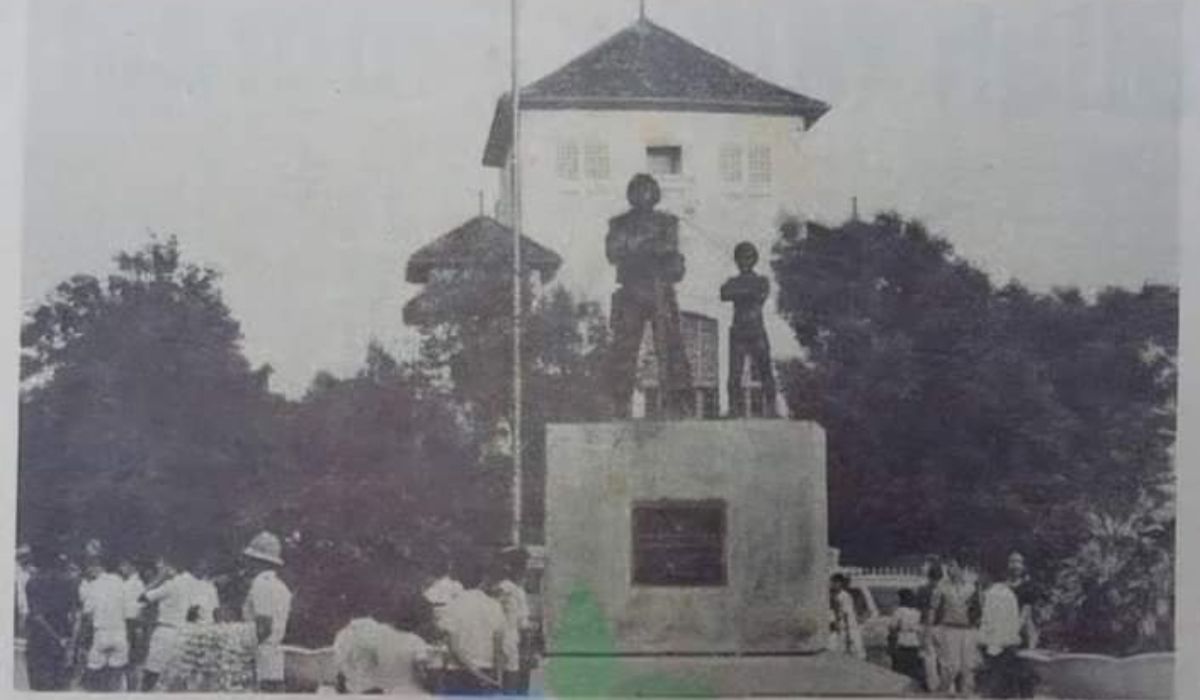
1115 594
960 414
466 324
140 417
374 470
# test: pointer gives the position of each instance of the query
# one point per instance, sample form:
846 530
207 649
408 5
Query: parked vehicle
876 595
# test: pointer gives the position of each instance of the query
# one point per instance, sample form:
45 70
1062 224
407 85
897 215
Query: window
567 165
664 160
731 163
679 543
760 165
595 161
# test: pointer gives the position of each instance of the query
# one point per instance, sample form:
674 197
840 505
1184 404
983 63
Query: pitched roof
645 66
480 242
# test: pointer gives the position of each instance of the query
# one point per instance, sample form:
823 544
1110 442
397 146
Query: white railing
884 571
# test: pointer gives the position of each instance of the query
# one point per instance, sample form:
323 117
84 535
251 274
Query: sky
306 148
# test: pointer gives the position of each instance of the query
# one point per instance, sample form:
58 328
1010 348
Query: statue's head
643 192
745 255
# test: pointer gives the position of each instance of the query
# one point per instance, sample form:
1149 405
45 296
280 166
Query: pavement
824 674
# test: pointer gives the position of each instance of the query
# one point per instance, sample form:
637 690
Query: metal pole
515 189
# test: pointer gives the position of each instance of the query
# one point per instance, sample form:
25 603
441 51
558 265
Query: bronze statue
643 244
747 335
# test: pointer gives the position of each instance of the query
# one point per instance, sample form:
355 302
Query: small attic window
664 160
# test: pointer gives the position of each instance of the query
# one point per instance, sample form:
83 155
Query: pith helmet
265 547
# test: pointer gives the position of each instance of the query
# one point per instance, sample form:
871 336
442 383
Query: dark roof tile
480 242
645 66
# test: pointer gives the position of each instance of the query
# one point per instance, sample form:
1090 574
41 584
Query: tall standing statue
643 244
748 291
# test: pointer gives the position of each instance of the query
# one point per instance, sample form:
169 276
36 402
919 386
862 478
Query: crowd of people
959 633
103 623
106 622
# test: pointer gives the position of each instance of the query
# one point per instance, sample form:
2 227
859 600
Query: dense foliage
958 414
466 324
144 426
140 417
1116 593
965 415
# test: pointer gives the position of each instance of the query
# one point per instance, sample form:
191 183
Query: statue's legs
760 358
756 348
737 360
629 314
674 370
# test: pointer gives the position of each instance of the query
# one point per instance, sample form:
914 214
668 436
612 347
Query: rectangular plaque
679 543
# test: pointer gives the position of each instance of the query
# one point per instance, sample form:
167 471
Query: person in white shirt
847 635
103 608
474 624
441 589
205 600
505 586
375 658
1000 638
268 604
905 634
173 590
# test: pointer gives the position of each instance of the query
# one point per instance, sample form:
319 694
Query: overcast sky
305 148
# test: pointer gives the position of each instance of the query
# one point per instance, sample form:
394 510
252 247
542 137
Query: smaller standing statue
747 336
643 244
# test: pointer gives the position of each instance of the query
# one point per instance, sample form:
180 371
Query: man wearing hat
268 604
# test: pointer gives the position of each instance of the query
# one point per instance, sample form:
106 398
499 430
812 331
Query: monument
688 557
748 291
643 244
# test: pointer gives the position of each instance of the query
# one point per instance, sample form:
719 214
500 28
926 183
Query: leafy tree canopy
465 318
139 411
962 414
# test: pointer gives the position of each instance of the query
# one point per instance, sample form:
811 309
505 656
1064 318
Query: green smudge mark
583 626
602 674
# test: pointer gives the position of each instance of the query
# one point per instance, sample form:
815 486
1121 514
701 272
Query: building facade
725 146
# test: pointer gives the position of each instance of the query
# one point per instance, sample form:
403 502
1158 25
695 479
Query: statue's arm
670 237
764 289
727 291
614 246
676 263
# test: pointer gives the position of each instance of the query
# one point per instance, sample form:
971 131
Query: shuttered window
567 165
595 160
759 164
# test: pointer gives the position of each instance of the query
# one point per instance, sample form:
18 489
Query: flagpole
515 213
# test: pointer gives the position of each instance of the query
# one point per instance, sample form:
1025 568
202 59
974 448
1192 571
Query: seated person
377 658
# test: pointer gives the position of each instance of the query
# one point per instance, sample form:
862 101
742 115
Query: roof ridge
725 62
602 44
645 65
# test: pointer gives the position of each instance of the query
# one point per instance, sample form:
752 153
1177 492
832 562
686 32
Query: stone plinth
767 480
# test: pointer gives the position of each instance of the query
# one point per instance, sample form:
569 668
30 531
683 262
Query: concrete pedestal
768 477
757 628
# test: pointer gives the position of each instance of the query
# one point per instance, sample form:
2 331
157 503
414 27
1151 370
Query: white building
725 145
